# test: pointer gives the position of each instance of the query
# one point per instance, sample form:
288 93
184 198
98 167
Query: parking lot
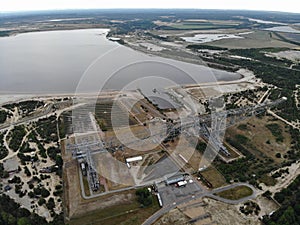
162 168
171 193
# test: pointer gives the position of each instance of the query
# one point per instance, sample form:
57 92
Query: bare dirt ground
174 217
122 136
13 98
72 194
290 55
194 161
224 214
211 90
266 206
207 211
195 211
115 170
297 96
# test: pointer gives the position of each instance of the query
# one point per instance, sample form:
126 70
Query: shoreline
18 97
10 96
20 32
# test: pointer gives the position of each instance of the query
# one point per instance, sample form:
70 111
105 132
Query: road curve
201 194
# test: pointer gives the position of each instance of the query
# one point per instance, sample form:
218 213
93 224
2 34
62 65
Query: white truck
181 183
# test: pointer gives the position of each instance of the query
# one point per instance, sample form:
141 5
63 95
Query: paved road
50 110
201 194
145 184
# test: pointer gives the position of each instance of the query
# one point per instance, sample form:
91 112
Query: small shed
134 159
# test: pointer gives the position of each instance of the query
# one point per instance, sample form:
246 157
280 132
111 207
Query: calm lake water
63 61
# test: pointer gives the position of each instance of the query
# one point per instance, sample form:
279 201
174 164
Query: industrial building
133 159
174 179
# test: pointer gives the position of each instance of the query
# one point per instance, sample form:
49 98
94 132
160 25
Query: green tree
44 192
50 204
144 196
288 217
23 221
41 201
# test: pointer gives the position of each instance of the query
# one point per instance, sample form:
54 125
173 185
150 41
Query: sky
266 5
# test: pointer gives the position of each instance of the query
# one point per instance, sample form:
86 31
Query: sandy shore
10 98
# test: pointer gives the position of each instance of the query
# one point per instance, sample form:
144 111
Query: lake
285 29
63 61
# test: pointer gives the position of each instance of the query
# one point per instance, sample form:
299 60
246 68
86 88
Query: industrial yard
103 161
218 144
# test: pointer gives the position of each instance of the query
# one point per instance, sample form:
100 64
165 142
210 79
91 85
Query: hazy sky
269 5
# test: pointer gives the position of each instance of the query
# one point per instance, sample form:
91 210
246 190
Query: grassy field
263 141
214 177
201 24
189 26
261 150
236 193
86 186
120 214
268 180
257 39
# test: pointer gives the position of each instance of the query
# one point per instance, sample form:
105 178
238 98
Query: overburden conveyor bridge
210 127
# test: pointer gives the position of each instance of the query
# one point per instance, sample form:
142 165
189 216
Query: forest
289 212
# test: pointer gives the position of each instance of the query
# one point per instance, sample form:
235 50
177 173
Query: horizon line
78 9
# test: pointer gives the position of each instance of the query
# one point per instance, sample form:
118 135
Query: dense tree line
11 213
281 77
52 152
3 149
285 39
26 107
287 109
3 172
243 169
144 197
3 116
16 137
63 124
201 146
260 55
47 129
198 47
276 72
276 131
289 212
131 26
